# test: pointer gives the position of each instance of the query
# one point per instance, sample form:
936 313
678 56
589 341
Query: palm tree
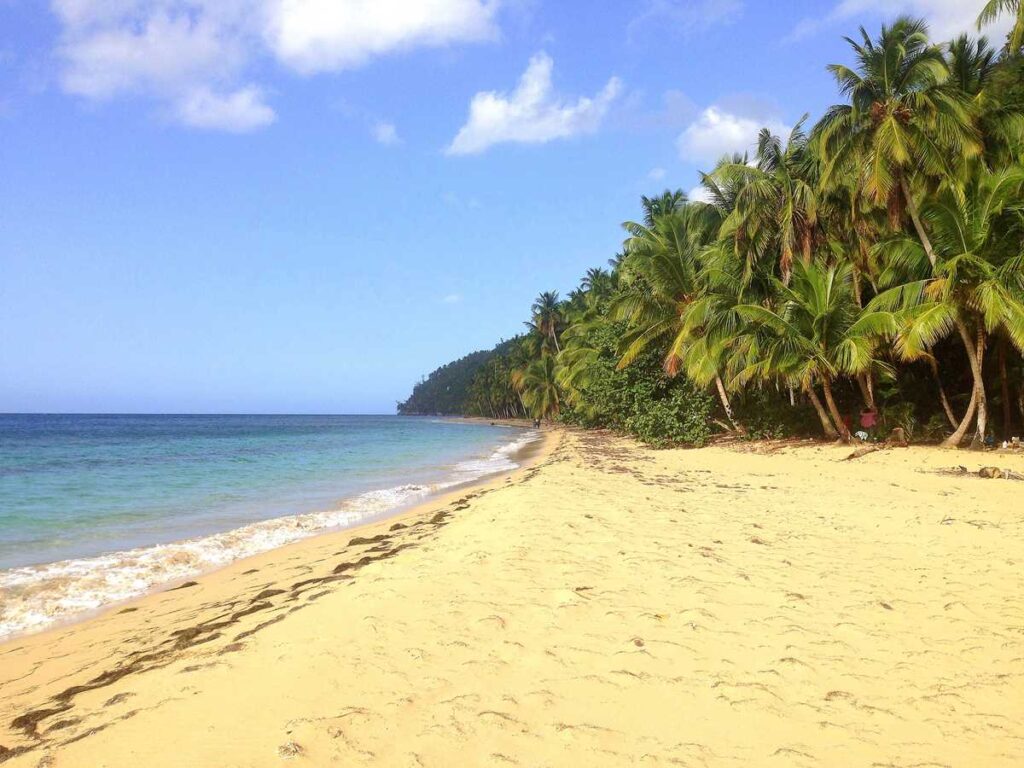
598 284
976 287
538 383
667 202
994 9
975 72
817 334
663 277
775 198
901 125
547 316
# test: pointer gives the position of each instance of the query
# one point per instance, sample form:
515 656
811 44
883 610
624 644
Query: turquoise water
96 509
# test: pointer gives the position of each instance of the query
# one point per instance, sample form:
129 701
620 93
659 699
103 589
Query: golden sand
610 606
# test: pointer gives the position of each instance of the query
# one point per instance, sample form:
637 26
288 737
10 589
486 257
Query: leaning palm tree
662 274
816 334
547 316
993 9
976 287
538 383
901 127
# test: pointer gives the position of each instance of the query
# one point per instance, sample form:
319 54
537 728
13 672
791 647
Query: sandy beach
608 605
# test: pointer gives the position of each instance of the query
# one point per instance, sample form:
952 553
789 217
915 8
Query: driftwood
897 439
864 451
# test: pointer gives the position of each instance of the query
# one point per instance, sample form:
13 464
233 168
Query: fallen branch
864 452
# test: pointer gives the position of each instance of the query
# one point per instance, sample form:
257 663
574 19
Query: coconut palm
662 272
816 334
668 201
993 9
597 284
975 72
901 127
977 285
547 317
538 384
775 202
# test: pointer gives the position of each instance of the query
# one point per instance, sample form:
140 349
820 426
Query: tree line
869 264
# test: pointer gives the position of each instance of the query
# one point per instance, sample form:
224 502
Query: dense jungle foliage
866 272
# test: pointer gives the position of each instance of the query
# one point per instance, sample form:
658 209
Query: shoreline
519 456
605 604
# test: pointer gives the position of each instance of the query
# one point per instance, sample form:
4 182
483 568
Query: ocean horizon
98 508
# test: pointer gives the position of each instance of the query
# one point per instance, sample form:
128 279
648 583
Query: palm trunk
867 390
933 364
526 412
958 435
844 433
1020 402
826 422
975 354
724 397
915 216
1004 382
554 338
982 431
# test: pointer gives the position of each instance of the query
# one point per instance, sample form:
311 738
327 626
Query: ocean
97 509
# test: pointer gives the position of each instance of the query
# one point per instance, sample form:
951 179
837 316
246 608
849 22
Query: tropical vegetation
870 264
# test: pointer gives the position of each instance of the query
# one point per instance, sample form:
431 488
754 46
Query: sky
303 206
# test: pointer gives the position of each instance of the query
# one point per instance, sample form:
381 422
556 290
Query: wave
33 598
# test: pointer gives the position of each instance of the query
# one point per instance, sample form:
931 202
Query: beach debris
290 749
267 593
987 473
897 438
367 540
863 452
398 527
638 642
118 699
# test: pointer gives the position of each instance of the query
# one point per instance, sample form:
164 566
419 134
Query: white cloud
717 132
531 114
699 195
946 18
237 112
452 298
107 53
385 133
184 53
329 35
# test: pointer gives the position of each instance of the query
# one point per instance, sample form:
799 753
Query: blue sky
304 205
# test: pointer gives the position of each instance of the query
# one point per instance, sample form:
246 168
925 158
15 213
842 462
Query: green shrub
640 399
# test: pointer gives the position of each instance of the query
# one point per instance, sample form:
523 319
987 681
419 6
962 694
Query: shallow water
98 509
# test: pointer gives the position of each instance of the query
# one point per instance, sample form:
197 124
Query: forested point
861 274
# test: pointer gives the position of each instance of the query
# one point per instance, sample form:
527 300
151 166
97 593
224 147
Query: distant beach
604 605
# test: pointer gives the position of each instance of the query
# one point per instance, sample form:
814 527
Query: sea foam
33 598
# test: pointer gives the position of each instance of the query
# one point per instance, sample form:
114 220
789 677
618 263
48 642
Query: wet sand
610 605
